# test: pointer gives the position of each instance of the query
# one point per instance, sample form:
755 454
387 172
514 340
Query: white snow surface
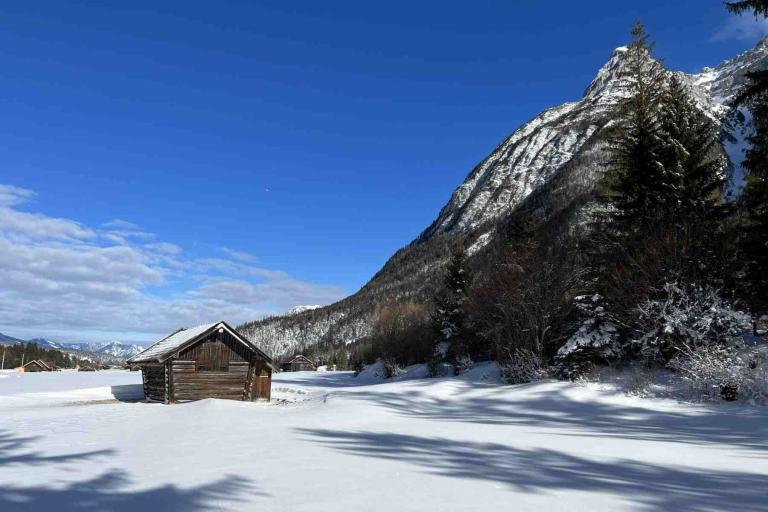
331 442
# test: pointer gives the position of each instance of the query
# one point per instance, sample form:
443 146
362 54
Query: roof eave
222 324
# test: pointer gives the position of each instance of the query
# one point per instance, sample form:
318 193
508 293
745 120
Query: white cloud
120 224
11 196
239 255
61 279
284 290
164 248
745 27
25 225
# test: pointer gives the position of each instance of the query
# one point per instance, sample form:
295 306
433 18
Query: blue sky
232 159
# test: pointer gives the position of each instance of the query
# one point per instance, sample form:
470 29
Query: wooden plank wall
189 384
222 347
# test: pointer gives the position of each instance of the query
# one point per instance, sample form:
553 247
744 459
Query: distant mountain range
9 340
101 351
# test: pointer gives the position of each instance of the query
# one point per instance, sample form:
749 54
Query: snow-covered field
80 442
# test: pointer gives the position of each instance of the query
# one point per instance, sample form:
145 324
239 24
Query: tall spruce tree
450 316
693 163
639 186
753 239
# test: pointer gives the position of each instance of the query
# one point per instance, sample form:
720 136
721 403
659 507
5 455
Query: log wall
153 379
218 366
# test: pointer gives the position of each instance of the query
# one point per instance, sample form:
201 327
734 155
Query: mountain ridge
547 167
108 350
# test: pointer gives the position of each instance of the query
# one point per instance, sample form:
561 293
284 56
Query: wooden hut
298 363
208 361
35 366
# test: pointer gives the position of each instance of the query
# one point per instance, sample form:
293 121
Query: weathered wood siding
261 381
189 384
153 378
217 349
218 366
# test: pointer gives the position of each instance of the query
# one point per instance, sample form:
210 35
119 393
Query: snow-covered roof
297 358
168 345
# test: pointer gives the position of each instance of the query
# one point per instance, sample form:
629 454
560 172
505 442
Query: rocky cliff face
553 160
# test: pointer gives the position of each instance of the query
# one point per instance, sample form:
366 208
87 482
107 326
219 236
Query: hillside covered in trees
628 225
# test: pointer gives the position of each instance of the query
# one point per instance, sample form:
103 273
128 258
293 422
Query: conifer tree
758 7
691 159
450 316
639 186
753 239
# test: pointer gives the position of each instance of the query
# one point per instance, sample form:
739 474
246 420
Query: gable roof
38 362
182 338
298 359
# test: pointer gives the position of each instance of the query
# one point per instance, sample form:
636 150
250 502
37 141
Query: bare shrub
462 364
639 381
684 318
527 302
717 372
391 368
521 365
401 333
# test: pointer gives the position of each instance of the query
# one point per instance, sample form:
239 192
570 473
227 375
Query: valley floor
81 442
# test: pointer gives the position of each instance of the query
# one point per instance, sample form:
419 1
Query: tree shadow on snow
655 487
315 379
112 491
745 427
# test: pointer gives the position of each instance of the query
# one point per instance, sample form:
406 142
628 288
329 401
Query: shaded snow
328 442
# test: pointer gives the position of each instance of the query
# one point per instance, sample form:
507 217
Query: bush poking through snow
685 319
462 364
391 368
717 372
433 367
521 366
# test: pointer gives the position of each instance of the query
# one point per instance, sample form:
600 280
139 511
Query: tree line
13 356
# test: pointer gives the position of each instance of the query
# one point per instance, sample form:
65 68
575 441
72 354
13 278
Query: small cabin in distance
298 363
35 366
207 361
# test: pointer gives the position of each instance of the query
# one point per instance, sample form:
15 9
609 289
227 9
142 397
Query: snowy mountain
109 351
548 167
300 309
45 343
545 145
116 349
9 340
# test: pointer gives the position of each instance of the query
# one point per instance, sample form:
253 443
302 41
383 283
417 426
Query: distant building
298 363
208 361
35 366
